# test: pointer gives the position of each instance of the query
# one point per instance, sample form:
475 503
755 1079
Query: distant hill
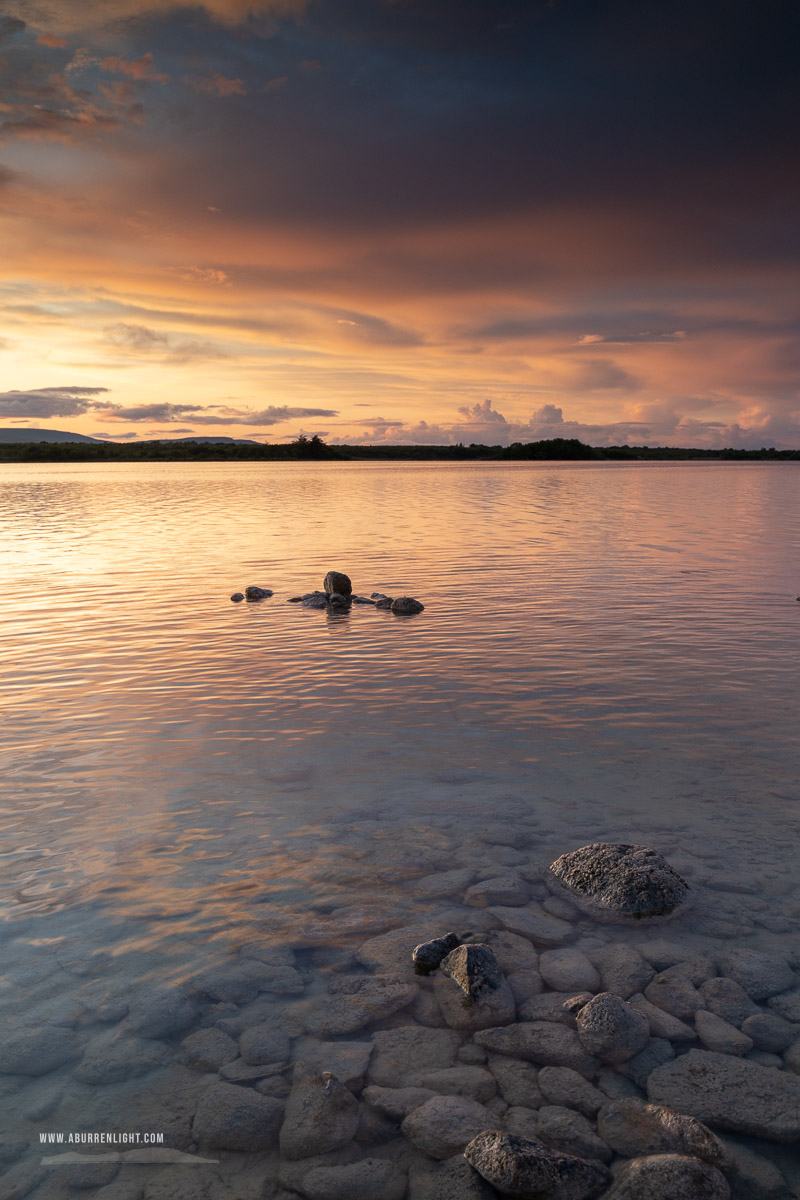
213 440
44 435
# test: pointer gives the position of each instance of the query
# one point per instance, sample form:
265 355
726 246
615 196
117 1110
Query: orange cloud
218 84
139 68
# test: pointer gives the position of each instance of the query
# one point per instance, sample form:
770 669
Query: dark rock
257 593
369 1179
337 581
362 600
570 1132
524 1167
237 596
337 600
315 600
639 1068
386 603
428 955
769 1032
613 882
406 606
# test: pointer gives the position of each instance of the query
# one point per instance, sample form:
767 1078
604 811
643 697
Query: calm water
606 651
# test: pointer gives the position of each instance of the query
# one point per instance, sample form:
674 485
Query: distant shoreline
315 450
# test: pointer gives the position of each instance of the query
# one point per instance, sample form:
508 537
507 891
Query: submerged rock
524 1167
669 1177
472 992
321 1114
759 975
443 1125
235 1118
730 1093
337 582
617 881
611 1029
368 1179
634 1127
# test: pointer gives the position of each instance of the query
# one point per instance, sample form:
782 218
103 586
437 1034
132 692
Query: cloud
67 16
46 403
218 85
140 340
9 26
139 68
199 414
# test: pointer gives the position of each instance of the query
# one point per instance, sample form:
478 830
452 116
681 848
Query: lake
608 652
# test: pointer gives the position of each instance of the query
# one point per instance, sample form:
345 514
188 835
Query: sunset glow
400 222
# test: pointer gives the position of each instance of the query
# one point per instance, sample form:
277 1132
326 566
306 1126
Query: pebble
716 1034
321 1114
769 1032
564 1087
669 1177
675 994
541 1042
235 1118
622 969
534 923
402 1056
369 1179
475 1083
728 999
730 1093
634 1127
444 1125
610 1029
570 1132
518 1081
524 1167
760 975
568 970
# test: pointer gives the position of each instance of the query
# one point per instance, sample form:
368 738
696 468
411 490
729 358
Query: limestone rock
115 1055
676 995
444 1125
769 1032
369 1179
475 1083
568 970
402 1056
610 1029
570 1132
552 1006
566 1088
451 1179
428 955
397 1102
728 999
321 1114
663 1024
346 1060
730 1093
751 1177
264 1044
786 1005
208 1049
542 1042
235 1118
524 985
524 1167
513 952
716 1034
471 990
37 1051
760 975
622 969
517 1081
358 1001
617 882
656 1053
337 582
634 1128
504 889
534 923
524 1122
669 1177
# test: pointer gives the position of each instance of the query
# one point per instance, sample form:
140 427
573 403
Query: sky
430 221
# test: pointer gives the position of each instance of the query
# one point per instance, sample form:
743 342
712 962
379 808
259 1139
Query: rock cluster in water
337 597
530 1054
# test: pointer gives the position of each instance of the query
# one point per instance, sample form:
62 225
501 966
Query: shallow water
607 652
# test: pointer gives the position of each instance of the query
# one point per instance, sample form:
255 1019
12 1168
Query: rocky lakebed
594 1026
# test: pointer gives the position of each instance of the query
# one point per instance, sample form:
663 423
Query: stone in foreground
617 882
730 1093
610 1028
472 992
428 955
336 582
633 1128
669 1177
525 1167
